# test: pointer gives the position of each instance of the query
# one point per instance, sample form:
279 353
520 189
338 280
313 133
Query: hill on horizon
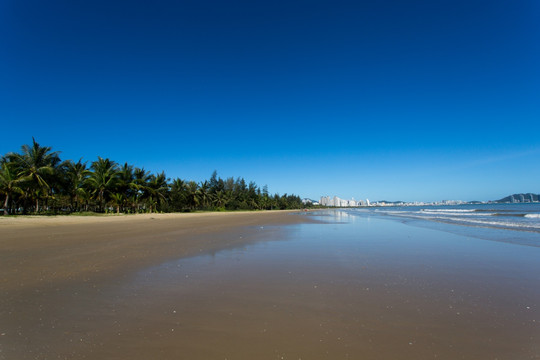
520 198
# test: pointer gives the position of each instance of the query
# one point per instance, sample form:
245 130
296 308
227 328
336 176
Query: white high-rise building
337 202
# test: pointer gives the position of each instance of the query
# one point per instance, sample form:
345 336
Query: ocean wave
503 224
472 219
518 218
454 213
449 210
487 223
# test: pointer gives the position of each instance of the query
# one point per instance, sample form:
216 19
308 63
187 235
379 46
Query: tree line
37 181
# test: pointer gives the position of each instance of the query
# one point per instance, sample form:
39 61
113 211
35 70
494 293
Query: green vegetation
37 181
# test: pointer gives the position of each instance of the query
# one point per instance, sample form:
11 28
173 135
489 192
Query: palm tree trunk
37 205
6 204
100 197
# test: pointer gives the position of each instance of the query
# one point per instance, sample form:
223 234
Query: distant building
338 202
325 201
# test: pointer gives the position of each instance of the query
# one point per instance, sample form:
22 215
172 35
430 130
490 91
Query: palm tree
9 184
192 192
103 180
126 180
76 175
36 164
220 199
85 195
118 200
133 202
126 185
157 189
204 195
139 184
178 194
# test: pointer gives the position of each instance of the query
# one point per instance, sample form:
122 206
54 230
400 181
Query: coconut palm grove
37 181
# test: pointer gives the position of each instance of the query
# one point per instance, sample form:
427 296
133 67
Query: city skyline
335 201
410 101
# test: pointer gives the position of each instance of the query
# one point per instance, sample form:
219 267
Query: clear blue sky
395 100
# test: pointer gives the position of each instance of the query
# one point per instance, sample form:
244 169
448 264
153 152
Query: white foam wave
449 210
498 224
454 213
469 217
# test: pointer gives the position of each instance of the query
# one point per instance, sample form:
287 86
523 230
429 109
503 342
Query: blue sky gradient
388 100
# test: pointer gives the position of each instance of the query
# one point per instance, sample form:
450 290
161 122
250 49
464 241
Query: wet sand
262 286
40 250
55 267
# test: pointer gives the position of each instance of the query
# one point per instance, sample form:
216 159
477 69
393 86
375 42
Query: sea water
515 223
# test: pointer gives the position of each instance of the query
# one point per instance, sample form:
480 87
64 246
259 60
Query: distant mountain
520 198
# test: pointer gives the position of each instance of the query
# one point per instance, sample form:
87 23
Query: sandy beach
261 285
38 250
44 260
